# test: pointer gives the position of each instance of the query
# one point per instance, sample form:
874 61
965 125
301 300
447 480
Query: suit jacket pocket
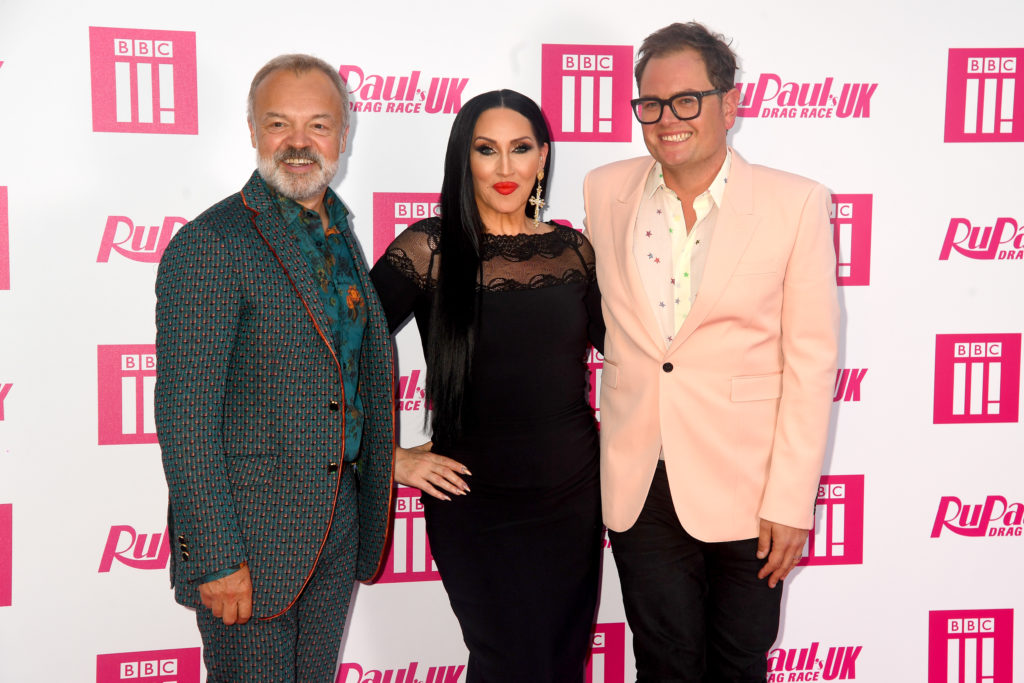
609 375
246 471
756 387
749 268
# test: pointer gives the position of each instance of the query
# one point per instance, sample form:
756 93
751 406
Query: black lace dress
520 554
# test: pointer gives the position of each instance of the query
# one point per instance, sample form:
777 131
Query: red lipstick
506 187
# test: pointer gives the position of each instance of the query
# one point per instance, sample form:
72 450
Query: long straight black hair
455 314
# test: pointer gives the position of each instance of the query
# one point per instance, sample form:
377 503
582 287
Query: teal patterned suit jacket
247 406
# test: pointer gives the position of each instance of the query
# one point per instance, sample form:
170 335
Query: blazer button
333 405
667 367
184 555
181 538
332 467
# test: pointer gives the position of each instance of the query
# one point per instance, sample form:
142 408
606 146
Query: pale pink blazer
743 413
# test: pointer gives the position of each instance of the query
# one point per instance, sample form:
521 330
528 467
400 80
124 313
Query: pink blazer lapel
733 231
624 213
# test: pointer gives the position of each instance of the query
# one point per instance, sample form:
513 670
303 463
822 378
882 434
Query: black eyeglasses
685 105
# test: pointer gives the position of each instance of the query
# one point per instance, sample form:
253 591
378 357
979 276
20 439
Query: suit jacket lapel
624 212
733 231
267 221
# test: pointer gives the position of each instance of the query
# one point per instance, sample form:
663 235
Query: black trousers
697 610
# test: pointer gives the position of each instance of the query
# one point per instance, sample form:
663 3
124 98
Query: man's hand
785 544
430 472
230 597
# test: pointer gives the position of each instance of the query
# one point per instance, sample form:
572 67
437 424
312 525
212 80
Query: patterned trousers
301 645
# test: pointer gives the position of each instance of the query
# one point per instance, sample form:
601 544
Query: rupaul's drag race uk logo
995 517
771 97
135 550
137 242
1003 240
816 662
406 94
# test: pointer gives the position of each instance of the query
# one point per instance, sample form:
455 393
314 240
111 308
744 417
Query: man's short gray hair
299 64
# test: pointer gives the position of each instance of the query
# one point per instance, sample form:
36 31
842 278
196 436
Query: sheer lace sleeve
404 275
414 252
592 299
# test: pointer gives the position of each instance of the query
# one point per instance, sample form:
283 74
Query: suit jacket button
332 467
667 367
181 538
184 555
333 405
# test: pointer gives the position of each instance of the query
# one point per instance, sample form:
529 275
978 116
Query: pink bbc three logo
5 243
6 554
152 666
851 232
983 101
409 558
977 378
585 92
144 81
607 662
970 646
126 378
838 535
393 212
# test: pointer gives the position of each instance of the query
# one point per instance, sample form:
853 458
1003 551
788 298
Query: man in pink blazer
719 295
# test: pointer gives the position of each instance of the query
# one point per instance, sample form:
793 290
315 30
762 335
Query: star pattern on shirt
650 255
648 234
662 304
657 260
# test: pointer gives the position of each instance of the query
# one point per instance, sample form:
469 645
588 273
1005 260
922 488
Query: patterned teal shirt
333 271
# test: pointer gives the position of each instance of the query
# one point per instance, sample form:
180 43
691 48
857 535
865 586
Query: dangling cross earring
536 201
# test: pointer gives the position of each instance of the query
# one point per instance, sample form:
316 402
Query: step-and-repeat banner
121 121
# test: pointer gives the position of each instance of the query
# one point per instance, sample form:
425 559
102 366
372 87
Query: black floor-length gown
520 554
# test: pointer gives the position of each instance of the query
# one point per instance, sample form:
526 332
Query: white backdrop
914 570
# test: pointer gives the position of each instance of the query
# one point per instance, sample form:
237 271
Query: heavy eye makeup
518 147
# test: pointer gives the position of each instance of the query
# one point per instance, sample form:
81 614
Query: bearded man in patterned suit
274 396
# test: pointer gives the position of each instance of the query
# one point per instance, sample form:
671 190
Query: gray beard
297 187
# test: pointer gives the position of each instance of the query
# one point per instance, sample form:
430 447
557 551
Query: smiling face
298 131
691 151
504 159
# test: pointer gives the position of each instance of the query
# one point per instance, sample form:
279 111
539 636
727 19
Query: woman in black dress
506 307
